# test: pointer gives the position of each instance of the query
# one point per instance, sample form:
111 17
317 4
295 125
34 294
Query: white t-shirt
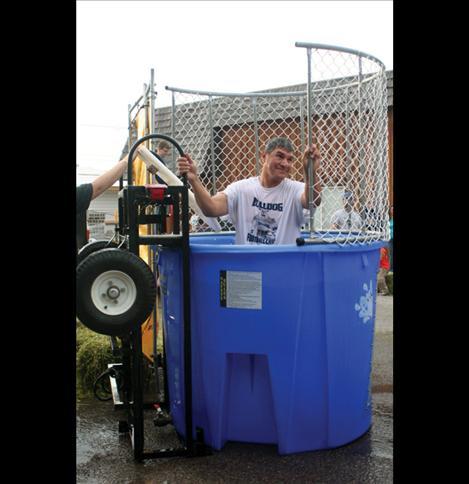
265 215
346 220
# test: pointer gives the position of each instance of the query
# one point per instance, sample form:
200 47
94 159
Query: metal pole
152 108
302 126
151 251
347 143
173 126
310 142
361 161
212 146
256 134
129 141
145 122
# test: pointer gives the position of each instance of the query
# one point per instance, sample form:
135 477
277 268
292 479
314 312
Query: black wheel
91 247
116 291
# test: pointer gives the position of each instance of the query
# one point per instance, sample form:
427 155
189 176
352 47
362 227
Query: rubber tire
91 247
134 267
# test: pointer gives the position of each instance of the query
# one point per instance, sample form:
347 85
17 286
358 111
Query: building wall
101 215
235 150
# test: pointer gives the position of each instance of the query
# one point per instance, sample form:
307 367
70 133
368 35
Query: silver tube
145 131
134 106
310 142
173 127
347 143
212 146
361 160
256 134
266 94
152 109
151 229
340 49
129 119
302 126
234 94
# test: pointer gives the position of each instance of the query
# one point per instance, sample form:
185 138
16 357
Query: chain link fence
226 134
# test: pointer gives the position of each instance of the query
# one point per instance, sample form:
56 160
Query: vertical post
347 143
187 318
129 142
152 108
256 133
361 157
173 126
310 142
302 126
212 146
145 126
135 339
151 231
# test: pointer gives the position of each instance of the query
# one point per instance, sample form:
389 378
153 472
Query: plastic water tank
282 341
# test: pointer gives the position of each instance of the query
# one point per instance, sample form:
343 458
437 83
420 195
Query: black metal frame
131 200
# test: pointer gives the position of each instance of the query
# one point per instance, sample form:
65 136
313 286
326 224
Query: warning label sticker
241 290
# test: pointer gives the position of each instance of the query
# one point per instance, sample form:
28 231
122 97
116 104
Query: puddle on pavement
104 455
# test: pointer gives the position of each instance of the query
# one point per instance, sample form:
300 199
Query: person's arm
315 155
211 206
335 221
106 180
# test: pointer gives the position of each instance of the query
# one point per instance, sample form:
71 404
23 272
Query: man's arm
211 206
106 180
315 155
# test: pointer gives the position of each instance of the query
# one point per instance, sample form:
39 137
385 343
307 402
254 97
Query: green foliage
94 353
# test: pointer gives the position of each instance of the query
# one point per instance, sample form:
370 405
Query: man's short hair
279 142
164 145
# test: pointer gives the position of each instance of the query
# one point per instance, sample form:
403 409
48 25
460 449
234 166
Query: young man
346 218
266 209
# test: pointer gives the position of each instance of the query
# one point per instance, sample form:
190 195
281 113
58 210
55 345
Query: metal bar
150 219
361 160
233 94
137 397
361 238
165 401
310 142
340 49
133 107
187 320
155 328
173 125
152 109
256 134
132 219
302 126
212 147
370 77
162 239
114 387
347 144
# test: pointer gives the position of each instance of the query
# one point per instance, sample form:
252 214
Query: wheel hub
113 292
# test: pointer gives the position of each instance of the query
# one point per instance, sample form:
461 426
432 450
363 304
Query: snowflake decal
365 307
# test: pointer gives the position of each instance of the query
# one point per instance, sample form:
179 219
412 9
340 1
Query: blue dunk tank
282 340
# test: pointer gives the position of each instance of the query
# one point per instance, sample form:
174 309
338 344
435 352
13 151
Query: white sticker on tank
365 305
244 290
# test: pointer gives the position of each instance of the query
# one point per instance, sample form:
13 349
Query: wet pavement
105 456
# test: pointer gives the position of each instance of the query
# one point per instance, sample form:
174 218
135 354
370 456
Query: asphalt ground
105 456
